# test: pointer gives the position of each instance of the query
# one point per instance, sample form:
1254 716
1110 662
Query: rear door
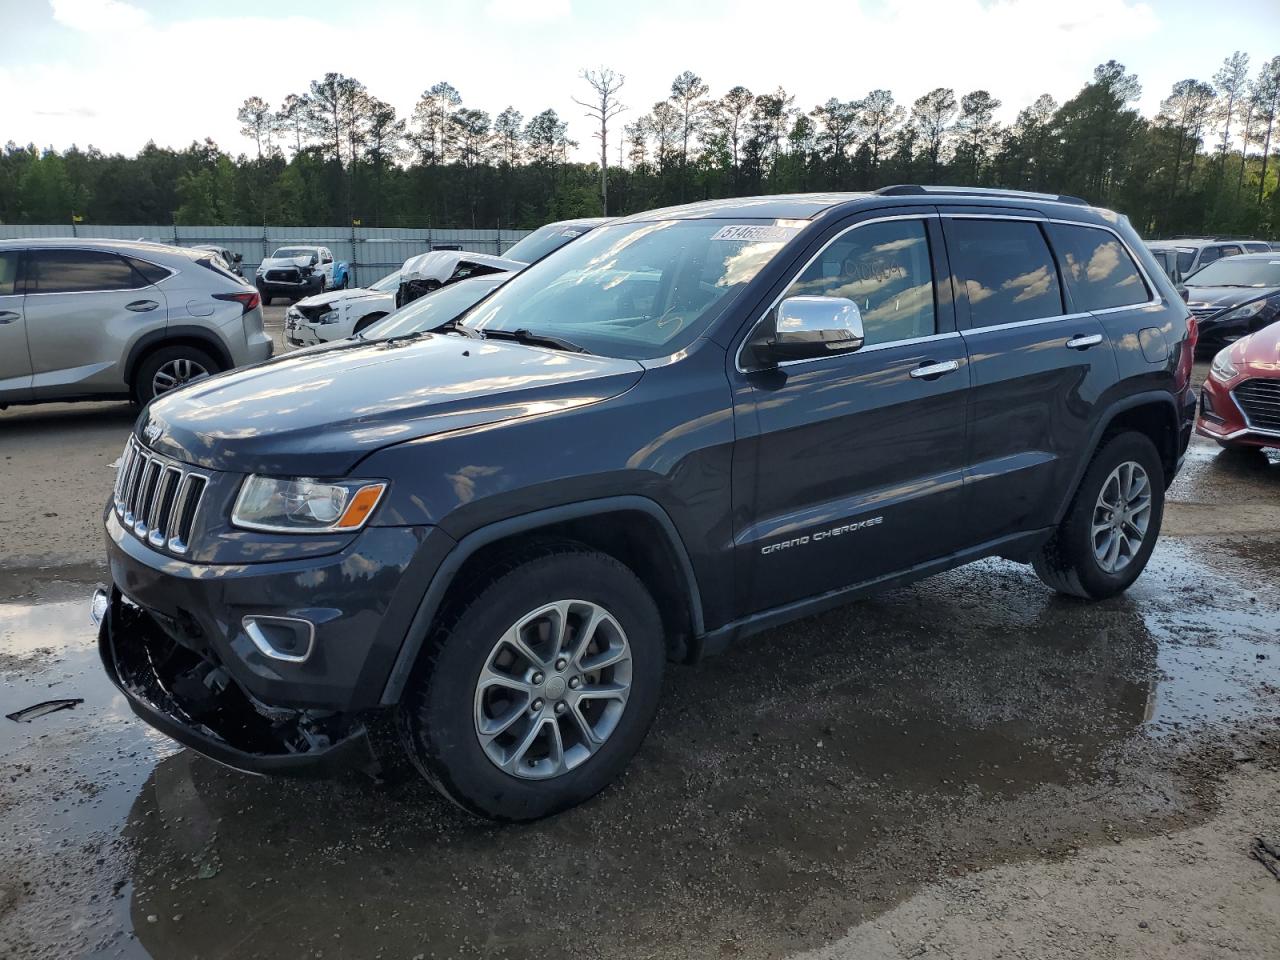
84 310
15 359
1038 372
849 468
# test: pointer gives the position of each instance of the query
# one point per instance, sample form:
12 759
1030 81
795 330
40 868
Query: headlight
1221 368
1251 309
329 316
303 505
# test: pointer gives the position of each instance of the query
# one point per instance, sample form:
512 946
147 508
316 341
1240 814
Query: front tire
538 687
1104 542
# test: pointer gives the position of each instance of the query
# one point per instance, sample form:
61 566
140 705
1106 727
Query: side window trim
942 317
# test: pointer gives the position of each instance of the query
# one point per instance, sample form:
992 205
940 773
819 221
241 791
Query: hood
340 296
319 413
278 262
1199 298
440 264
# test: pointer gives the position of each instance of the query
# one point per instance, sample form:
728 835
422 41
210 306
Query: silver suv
100 319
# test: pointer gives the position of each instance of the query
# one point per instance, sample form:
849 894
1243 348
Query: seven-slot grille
157 498
287 275
1260 401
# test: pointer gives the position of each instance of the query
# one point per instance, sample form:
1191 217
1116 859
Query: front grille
1260 401
283 276
157 498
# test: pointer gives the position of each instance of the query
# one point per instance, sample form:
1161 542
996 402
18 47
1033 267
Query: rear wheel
169 368
537 691
1105 540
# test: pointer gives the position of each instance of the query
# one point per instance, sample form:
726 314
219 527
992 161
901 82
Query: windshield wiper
526 336
457 326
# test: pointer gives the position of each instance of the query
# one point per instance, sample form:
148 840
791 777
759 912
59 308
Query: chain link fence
372 252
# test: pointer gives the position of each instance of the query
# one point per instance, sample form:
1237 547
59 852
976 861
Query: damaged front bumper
190 697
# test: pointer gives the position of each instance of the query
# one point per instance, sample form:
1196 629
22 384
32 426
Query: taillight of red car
247 300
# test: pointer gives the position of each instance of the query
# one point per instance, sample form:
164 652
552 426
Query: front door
849 468
1038 373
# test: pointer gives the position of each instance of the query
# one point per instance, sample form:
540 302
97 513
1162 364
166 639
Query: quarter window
150 272
77 271
885 269
1007 271
1097 268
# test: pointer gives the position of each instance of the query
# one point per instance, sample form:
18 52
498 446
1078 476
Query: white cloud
98 16
526 11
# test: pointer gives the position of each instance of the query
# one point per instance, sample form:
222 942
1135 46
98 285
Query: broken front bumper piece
191 698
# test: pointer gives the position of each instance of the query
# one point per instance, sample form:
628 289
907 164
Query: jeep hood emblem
153 431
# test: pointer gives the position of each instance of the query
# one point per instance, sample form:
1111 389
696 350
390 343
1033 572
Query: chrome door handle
141 306
8 316
927 370
1085 342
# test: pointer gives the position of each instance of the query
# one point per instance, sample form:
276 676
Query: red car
1240 400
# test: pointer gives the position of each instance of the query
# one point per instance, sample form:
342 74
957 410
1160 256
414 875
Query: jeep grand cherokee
686 427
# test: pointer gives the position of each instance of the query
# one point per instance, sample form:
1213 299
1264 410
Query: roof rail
915 189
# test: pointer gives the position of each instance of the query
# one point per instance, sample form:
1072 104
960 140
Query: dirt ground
966 767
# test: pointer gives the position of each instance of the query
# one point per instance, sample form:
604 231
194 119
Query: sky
117 73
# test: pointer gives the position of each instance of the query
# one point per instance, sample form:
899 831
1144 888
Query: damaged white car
334 316
430 271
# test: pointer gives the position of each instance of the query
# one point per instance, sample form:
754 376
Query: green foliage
1204 164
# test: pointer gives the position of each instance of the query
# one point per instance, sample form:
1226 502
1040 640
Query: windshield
543 241
288 253
1237 272
388 283
434 309
636 290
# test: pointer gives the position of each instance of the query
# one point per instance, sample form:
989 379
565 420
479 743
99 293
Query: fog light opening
290 639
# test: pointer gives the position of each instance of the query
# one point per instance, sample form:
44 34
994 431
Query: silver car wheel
553 689
1121 516
175 373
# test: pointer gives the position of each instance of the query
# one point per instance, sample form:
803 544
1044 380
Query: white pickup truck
299 271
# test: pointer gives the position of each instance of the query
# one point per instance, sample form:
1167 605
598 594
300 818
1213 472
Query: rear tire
1097 552
542 761
169 368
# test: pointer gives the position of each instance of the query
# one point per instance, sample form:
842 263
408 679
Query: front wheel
1106 538
539 688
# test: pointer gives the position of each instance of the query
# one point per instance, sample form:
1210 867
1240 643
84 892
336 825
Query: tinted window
150 272
884 268
1006 269
1208 255
74 271
8 271
1097 268
1231 251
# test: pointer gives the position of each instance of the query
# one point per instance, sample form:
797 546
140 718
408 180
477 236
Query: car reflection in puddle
806 780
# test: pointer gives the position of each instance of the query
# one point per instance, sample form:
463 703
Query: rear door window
1097 269
1007 271
78 271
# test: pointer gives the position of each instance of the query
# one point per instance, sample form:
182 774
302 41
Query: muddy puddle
809 779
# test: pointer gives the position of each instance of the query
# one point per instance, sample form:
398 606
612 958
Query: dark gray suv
688 426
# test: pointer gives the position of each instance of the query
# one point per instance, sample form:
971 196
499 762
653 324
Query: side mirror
238 257
809 327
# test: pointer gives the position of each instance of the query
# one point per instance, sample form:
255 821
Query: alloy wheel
175 373
553 689
1121 516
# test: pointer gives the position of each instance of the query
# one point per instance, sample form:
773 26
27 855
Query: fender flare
158 338
443 577
1100 429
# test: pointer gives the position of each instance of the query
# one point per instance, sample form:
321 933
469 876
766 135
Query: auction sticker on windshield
755 232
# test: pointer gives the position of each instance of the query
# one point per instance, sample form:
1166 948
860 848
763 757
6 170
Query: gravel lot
967 767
